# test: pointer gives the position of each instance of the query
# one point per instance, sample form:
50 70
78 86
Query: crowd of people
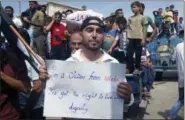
168 21
114 39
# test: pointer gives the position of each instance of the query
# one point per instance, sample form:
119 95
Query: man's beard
92 48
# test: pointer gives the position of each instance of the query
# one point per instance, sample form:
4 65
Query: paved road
164 95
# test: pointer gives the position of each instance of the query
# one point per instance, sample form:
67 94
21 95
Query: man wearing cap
92 33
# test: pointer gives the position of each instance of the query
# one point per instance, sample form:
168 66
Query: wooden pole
25 44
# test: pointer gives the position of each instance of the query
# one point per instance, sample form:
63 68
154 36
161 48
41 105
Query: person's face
92 37
180 20
167 9
108 24
76 42
121 26
43 9
57 19
135 9
9 12
32 5
171 8
120 13
160 10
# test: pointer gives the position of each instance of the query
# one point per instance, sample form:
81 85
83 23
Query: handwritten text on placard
79 90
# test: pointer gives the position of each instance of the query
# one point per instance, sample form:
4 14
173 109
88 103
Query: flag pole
25 44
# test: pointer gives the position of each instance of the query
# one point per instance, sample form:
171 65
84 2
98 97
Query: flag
12 39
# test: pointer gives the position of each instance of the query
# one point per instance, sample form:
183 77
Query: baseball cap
92 21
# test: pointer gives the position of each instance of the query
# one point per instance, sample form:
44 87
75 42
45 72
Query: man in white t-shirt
179 56
93 36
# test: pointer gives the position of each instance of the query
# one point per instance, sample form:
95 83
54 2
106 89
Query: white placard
84 90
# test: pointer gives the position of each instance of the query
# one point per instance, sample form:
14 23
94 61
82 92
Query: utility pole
19 7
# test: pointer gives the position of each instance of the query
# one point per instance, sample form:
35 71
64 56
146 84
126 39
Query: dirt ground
164 95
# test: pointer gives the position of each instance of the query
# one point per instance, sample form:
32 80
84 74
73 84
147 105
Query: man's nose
94 34
77 45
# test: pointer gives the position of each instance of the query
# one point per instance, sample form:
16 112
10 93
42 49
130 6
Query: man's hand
143 42
149 40
38 86
109 51
124 90
43 74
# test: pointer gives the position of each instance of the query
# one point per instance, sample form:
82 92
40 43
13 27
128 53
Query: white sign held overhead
75 19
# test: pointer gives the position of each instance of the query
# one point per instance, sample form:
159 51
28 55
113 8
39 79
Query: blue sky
106 7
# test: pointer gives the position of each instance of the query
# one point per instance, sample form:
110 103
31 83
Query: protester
150 22
14 79
175 17
148 74
92 34
39 38
118 13
10 12
180 24
43 9
31 11
137 37
179 57
119 46
37 86
168 18
75 42
110 34
58 37
159 19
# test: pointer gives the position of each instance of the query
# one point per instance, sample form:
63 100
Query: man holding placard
92 34
81 90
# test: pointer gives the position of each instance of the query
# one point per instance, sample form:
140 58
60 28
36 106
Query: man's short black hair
69 11
121 20
9 7
43 6
136 3
39 7
116 12
181 18
34 2
160 9
88 22
58 13
172 6
110 19
167 7
142 5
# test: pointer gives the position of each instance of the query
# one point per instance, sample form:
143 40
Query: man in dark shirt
13 79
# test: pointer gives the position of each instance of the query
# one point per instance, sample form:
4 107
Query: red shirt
175 19
57 34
